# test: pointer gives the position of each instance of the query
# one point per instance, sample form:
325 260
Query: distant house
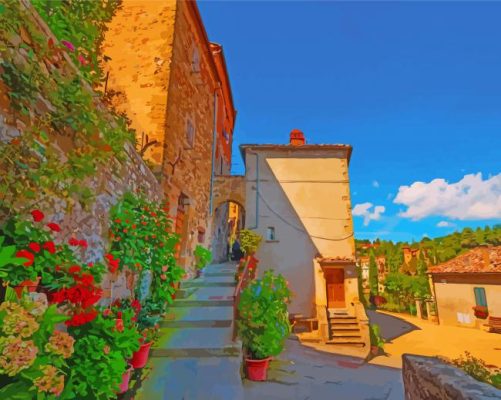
470 280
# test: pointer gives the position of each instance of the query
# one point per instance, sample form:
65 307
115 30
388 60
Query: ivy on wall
66 131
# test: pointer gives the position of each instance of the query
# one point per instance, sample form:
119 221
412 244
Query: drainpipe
257 189
214 143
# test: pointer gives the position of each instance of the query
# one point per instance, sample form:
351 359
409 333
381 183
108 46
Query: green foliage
101 349
263 323
478 369
60 109
373 275
403 289
249 241
203 256
375 336
142 239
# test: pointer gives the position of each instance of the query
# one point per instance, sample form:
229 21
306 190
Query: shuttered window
480 298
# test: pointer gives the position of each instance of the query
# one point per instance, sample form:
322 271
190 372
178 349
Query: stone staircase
344 329
195 357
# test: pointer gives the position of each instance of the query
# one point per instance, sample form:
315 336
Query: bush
375 335
249 241
203 256
263 323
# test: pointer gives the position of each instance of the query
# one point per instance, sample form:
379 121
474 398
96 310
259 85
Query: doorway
335 288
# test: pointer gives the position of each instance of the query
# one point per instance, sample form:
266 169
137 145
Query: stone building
172 84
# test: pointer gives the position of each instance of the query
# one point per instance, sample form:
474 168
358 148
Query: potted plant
124 386
203 256
149 336
377 342
263 322
481 312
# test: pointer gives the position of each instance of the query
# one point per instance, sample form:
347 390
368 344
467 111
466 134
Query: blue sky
414 87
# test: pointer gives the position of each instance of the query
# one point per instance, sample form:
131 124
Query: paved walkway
196 358
408 334
302 373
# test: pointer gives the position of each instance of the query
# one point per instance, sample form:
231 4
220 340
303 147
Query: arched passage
228 214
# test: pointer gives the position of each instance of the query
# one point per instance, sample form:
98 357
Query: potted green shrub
263 323
377 342
203 257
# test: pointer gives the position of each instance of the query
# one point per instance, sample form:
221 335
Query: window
270 233
480 298
190 133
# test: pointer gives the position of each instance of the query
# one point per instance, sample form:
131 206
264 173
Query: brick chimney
297 138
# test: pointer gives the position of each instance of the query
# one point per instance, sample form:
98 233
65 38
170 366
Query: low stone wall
428 378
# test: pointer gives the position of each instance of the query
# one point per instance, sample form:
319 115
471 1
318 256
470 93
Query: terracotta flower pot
140 357
256 369
30 285
124 386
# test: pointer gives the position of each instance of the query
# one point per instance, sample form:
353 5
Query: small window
270 233
195 60
480 298
190 133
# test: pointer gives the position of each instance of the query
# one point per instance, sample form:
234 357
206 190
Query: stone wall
111 181
428 378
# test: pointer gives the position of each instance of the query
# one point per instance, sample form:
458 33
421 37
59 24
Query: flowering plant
203 256
32 353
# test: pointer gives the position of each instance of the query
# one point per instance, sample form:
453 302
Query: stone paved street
306 374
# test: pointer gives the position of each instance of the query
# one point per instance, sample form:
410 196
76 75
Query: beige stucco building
469 280
297 196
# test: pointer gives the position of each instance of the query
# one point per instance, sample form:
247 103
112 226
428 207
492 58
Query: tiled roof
479 260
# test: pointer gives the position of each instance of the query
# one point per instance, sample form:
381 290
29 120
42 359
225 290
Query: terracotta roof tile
479 260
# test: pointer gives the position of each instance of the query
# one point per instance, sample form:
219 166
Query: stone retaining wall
429 378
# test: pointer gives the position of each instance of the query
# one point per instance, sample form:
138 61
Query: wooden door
335 288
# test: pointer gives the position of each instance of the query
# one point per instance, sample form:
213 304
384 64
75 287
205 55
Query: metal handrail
241 285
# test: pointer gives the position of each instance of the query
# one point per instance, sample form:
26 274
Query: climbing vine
66 132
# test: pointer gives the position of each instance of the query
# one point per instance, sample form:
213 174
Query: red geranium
113 263
37 215
26 254
73 242
34 247
54 227
119 325
81 318
50 247
74 269
83 243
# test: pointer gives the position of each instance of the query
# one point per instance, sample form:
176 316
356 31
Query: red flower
90 265
37 215
117 221
73 242
83 243
54 227
26 254
113 263
58 268
81 318
86 279
50 247
119 314
75 269
119 325
34 247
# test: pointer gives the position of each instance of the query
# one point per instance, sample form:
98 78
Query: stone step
202 303
216 274
199 314
352 321
345 342
209 378
199 283
345 328
347 335
196 324
195 338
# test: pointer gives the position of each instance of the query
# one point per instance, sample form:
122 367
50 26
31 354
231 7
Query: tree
373 275
421 264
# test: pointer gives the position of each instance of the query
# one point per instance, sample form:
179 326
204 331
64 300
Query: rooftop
479 260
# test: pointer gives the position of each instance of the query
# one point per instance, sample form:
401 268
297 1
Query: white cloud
470 198
445 224
364 210
375 184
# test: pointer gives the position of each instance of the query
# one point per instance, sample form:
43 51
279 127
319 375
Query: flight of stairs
344 329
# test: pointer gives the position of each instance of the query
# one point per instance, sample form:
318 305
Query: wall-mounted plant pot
124 386
140 357
30 285
257 369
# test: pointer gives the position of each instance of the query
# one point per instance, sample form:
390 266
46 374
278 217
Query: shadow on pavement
391 326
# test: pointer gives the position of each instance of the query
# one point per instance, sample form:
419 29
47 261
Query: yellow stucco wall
304 195
454 298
